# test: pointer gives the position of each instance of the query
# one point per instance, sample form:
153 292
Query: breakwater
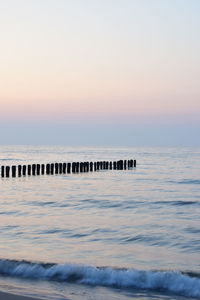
65 168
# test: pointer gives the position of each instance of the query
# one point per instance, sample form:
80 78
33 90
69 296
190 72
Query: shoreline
10 296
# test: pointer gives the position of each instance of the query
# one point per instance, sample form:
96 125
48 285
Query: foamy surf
183 284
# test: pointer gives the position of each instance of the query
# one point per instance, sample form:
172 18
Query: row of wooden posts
65 168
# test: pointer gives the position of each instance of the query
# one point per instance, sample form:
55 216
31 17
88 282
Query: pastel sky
100 72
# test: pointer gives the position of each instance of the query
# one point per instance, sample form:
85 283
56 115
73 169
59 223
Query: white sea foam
170 282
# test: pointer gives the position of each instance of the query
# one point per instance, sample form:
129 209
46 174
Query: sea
104 235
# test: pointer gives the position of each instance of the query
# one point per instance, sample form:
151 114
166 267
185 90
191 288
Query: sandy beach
8 296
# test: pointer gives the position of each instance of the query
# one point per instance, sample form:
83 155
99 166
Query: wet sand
8 296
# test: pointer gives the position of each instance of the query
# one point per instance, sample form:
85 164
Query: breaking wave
185 284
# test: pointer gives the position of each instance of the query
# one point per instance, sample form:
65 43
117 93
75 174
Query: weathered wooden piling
2 171
60 168
56 168
125 164
77 167
95 166
19 171
73 167
91 166
42 169
114 165
7 171
64 168
13 171
134 163
69 168
33 169
52 168
24 170
110 165
48 169
98 165
81 167
38 169
29 170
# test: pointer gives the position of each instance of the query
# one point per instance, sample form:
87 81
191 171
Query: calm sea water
102 235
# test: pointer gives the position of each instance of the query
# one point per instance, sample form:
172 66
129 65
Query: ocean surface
128 234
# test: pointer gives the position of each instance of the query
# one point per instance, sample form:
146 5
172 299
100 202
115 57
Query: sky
100 72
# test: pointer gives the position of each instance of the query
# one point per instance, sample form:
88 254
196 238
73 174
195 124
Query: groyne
65 168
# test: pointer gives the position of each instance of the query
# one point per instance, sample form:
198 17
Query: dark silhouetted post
52 169
95 166
110 165
81 167
101 165
60 166
19 171
42 169
29 170
64 168
33 169
134 163
73 167
38 169
91 166
98 165
48 169
2 171
56 168
24 170
77 167
7 171
13 171
125 164
69 168
114 165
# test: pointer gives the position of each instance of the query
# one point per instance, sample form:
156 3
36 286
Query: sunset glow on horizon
100 61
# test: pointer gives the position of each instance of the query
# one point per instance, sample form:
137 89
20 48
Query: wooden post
106 165
73 167
114 165
95 166
81 167
19 171
91 166
13 171
77 167
125 164
51 168
85 167
134 163
48 169
98 165
38 169
69 168
56 168
64 168
33 169
24 170
121 165
2 171
60 168
101 165
110 165
29 170
42 169
7 171
131 163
